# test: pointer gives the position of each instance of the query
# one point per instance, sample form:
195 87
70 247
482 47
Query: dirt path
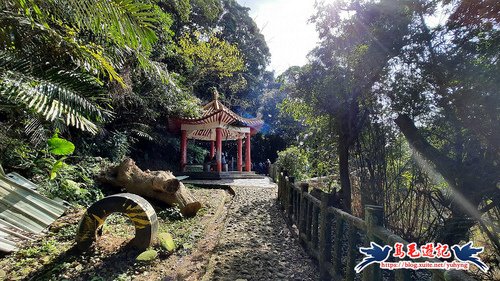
256 243
238 238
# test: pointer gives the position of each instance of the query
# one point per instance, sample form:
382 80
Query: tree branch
443 165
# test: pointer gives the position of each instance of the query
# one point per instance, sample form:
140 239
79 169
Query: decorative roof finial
215 93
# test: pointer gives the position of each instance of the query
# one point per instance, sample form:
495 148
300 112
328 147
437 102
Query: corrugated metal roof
21 180
23 212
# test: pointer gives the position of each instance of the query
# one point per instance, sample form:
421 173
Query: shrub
75 182
294 161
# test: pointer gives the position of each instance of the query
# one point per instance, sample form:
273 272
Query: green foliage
59 75
117 146
67 232
127 24
59 146
294 160
46 247
17 154
212 56
75 182
196 154
314 131
58 165
51 92
381 59
211 61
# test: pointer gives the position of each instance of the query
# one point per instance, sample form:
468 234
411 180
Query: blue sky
284 24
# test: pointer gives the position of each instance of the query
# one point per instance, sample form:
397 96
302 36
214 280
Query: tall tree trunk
345 181
468 187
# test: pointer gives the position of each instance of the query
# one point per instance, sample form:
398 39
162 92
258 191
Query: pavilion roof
216 115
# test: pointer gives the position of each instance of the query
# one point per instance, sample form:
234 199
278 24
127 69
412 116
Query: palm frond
35 131
51 92
141 134
128 23
26 36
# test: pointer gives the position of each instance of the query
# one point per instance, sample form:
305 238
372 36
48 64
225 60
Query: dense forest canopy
398 105
118 70
409 108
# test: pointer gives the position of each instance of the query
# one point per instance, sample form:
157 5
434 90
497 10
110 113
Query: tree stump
159 185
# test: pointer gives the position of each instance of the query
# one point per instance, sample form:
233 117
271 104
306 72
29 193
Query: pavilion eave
217 123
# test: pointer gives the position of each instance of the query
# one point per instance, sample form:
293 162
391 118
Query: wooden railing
333 237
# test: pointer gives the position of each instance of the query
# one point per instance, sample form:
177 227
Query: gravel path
256 243
265 182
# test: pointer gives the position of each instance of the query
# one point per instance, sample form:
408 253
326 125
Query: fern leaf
53 93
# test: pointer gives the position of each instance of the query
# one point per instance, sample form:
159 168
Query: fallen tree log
159 185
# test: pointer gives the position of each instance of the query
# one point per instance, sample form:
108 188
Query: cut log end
191 209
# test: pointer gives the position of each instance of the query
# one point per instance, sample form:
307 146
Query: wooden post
325 237
283 183
315 227
296 210
352 251
304 189
374 217
337 244
279 183
218 141
309 219
248 160
183 150
239 162
291 181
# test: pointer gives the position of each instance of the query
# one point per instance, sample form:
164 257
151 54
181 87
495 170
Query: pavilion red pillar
218 142
183 150
248 161
239 162
212 149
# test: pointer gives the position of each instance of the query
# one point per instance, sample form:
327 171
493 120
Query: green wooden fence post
289 211
296 209
352 251
304 189
337 244
284 191
309 219
298 201
374 217
278 176
315 226
325 237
